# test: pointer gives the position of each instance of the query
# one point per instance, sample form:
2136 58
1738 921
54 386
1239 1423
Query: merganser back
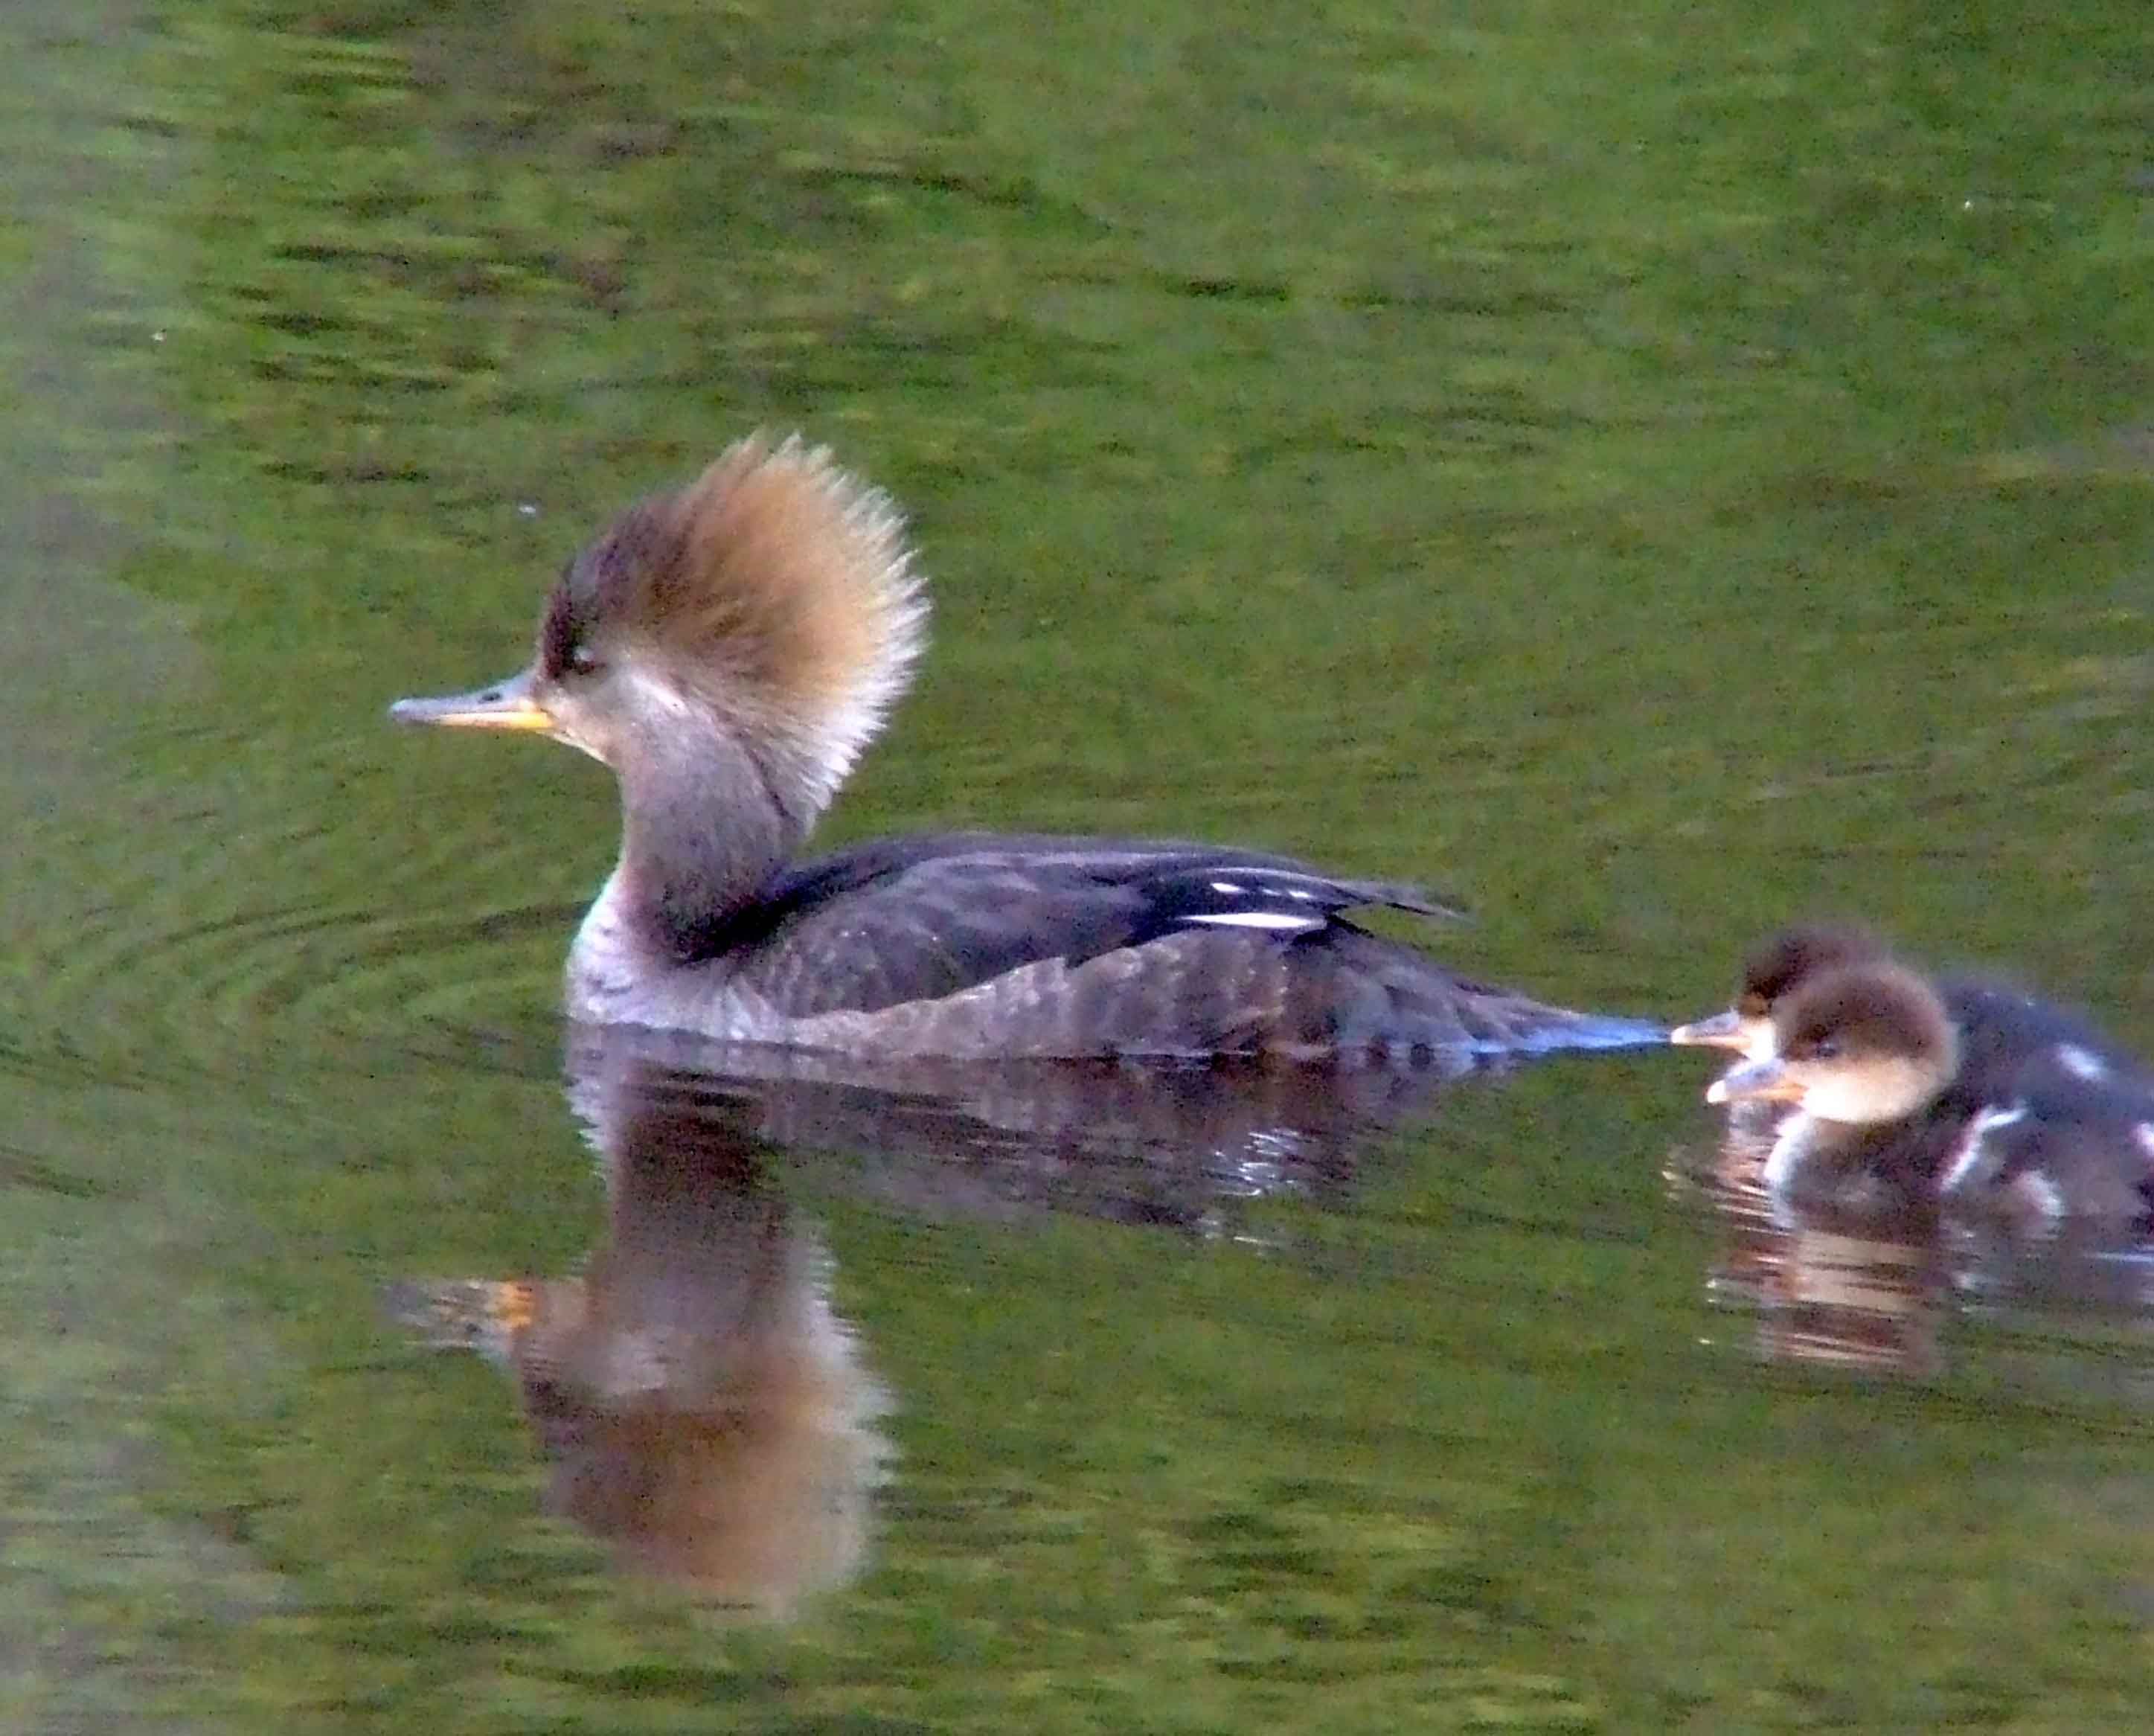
729 650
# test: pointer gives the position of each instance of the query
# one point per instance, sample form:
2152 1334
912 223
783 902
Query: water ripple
194 954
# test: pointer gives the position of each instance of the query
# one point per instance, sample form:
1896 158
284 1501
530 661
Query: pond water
1648 482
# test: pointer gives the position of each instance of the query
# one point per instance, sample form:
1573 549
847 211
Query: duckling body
2049 1155
729 650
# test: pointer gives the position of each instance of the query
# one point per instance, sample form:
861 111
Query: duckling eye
581 660
1825 1048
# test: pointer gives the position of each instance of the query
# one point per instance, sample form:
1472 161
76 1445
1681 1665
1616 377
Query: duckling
1873 1066
729 650
2007 1037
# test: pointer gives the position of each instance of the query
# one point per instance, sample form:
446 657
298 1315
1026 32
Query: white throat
1884 1090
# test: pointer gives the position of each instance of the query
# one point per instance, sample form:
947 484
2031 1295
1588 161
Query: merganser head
773 601
1861 1044
1775 968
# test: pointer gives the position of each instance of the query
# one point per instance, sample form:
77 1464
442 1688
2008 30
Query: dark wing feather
2084 1147
917 919
2012 1041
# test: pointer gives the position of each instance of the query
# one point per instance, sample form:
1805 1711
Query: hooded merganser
729 650
1876 1068
2007 1038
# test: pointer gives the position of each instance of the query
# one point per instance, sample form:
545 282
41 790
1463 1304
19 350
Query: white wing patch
2081 1062
1968 1157
1265 886
1278 922
2047 1197
1268 894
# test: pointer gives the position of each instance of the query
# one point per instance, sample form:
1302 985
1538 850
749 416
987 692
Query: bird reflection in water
1836 1289
706 1412
1875 1289
1180 1145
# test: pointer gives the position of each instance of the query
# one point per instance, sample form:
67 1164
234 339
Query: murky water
1647 483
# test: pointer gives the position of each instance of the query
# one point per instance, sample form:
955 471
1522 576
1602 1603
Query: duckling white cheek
1876 1091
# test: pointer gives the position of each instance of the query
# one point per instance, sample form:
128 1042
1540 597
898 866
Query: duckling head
1862 1044
1775 968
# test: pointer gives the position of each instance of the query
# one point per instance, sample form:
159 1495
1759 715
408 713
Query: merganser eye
582 659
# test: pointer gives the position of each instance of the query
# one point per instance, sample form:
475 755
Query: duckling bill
729 650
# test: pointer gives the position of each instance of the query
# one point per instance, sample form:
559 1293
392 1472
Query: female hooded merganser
729 650
2007 1037
1876 1068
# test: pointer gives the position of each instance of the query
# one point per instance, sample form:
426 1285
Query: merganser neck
704 823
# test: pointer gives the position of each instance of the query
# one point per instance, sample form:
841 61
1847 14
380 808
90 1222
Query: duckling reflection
706 1411
1841 1290
1878 1292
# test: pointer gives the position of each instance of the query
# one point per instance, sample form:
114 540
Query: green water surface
1648 472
